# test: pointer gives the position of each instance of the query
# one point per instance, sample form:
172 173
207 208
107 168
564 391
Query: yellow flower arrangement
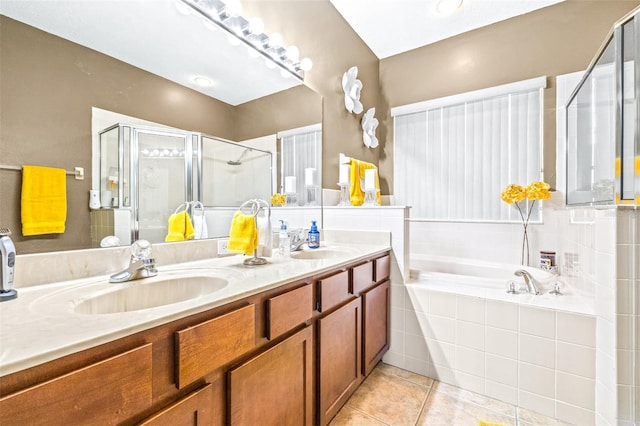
278 199
514 194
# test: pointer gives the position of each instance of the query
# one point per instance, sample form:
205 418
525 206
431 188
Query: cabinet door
195 409
275 387
339 358
105 393
375 330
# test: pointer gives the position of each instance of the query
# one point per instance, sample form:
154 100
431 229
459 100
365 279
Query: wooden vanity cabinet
106 392
290 355
275 385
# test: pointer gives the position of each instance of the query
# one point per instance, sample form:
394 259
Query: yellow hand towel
44 200
180 227
357 177
243 236
483 423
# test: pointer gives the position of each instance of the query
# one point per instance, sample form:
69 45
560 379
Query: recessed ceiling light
202 81
447 7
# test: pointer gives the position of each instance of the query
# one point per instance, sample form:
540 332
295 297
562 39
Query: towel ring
184 206
255 206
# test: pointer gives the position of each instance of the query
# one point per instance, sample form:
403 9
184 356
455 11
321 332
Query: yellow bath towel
243 235
180 227
44 200
357 177
483 423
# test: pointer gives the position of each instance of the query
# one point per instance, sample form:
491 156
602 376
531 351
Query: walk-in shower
147 172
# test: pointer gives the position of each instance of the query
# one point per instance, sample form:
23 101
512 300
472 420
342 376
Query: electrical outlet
222 247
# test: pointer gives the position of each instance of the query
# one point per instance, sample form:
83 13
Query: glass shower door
163 164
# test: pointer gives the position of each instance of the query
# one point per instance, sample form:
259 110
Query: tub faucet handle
511 287
556 289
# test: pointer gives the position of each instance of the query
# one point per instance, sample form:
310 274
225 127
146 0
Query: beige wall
555 40
321 33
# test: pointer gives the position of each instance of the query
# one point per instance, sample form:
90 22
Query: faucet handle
141 249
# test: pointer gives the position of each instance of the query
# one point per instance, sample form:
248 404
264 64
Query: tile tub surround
536 358
393 396
40 325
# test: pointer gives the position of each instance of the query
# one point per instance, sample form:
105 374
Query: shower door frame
188 139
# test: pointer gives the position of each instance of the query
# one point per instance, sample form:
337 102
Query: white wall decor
352 87
369 126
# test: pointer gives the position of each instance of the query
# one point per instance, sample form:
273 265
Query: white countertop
41 324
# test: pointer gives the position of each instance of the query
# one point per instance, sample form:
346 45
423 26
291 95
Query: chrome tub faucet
532 284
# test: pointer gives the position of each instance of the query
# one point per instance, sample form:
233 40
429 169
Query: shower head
239 160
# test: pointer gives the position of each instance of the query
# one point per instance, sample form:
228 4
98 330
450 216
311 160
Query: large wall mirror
58 67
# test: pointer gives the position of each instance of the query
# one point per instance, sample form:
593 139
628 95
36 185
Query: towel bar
78 173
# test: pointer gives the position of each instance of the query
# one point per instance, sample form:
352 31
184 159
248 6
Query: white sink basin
150 293
321 253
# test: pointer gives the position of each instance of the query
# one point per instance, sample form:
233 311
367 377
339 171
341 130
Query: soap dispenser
284 245
314 236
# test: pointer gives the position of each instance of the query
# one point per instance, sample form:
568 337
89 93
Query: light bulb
284 73
234 7
275 40
293 53
256 26
306 64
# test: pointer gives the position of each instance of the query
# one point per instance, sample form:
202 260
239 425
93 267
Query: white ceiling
390 27
154 36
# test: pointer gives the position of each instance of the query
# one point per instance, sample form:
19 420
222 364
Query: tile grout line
424 403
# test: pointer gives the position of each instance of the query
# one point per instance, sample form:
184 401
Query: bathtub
457 324
490 280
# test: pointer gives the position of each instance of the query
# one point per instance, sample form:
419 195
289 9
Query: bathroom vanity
288 349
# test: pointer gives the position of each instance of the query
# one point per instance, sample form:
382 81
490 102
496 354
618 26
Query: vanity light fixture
447 7
227 15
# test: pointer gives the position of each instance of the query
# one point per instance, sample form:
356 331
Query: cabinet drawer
106 393
333 290
288 310
362 277
194 409
382 268
209 345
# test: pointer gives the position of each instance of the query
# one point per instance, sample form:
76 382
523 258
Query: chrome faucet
140 266
532 285
298 238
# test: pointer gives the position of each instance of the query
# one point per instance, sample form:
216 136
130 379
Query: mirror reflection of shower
146 172
239 160
233 173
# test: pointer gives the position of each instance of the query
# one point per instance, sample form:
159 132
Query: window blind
453 156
